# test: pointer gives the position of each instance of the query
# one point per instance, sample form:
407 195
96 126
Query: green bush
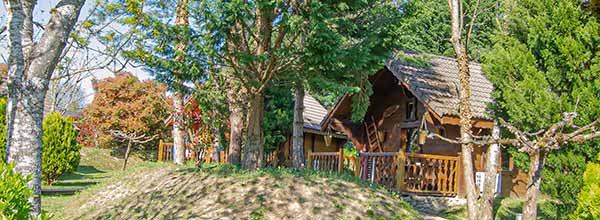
13 194
60 150
588 200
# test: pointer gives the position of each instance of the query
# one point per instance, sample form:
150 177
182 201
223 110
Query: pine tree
544 64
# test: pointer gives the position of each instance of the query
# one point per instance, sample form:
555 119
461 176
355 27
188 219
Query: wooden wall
312 142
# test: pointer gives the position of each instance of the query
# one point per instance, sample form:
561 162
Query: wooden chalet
315 138
406 100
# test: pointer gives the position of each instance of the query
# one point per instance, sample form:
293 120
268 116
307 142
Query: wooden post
458 179
357 163
160 150
192 148
208 155
341 160
309 158
400 161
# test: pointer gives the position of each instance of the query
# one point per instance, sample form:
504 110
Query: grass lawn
96 166
505 209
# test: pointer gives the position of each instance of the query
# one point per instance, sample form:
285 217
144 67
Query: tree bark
216 153
178 128
465 108
253 150
126 155
536 165
491 170
236 124
298 130
30 66
181 19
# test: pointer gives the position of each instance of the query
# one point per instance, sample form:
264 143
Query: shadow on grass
84 177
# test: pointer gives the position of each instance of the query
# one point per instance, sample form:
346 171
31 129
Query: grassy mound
164 191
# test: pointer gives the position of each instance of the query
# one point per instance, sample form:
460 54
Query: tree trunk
491 170
236 124
216 153
25 145
181 19
29 69
126 155
253 150
298 130
536 165
178 128
465 108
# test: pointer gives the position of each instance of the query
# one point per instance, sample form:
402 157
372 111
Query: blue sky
41 15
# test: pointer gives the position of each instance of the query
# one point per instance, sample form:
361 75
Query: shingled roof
437 85
314 113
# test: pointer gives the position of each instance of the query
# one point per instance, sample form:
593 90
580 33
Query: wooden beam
449 120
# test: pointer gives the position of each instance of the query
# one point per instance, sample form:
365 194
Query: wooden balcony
407 173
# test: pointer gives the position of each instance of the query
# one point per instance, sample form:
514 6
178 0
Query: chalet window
411 109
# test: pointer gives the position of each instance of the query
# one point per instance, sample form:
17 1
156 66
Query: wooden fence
413 173
165 153
326 161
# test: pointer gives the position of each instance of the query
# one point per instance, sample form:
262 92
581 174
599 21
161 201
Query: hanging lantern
422 136
381 135
328 138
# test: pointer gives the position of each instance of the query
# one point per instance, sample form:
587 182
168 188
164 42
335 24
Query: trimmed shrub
588 200
60 150
13 194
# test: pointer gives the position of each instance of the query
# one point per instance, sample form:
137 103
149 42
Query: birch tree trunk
298 130
126 155
536 165
181 19
253 150
30 67
491 170
465 108
236 124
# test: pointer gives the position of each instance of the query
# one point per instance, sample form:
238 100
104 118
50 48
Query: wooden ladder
372 136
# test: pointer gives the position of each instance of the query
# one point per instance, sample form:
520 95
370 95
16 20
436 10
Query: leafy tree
425 27
546 63
30 64
60 150
13 194
127 105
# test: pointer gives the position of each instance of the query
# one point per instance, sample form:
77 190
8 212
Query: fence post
357 163
400 161
160 150
309 159
208 155
341 160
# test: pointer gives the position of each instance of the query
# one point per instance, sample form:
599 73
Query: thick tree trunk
126 155
30 67
236 124
536 165
178 132
298 130
465 108
25 146
491 169
253 150
178 128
